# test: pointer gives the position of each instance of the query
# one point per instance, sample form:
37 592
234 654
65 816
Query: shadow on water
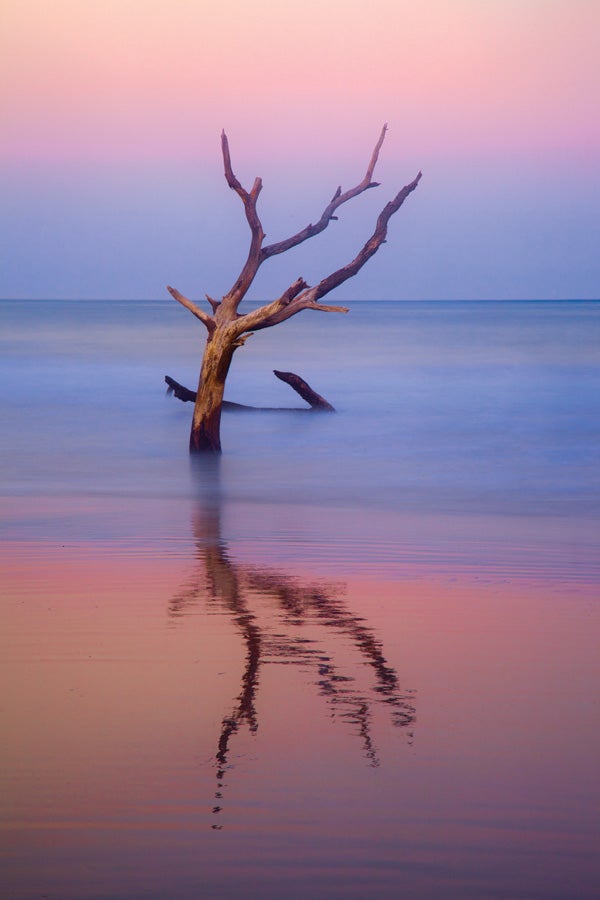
238 589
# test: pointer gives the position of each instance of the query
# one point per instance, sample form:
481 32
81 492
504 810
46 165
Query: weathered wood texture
228 329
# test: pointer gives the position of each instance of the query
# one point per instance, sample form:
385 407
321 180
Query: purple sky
111 173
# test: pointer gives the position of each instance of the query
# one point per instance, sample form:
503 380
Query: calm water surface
357 657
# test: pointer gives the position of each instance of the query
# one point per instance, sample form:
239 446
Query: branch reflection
285 621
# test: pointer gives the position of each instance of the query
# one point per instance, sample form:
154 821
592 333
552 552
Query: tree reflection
298 630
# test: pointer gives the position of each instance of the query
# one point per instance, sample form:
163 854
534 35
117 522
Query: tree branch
369 249
256 319
195 310
279 311
296 298
299 295
246 276
302 303
314 400
257 254
328 213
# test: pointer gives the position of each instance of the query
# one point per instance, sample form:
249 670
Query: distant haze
111 175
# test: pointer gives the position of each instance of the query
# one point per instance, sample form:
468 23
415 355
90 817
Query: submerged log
182 393
298 384
314 400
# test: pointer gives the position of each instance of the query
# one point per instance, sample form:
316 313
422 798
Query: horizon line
364 300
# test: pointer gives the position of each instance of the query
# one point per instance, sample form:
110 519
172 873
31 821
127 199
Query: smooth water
355 657
489 407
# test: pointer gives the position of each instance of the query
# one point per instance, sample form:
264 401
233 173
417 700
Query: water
453 406
355 657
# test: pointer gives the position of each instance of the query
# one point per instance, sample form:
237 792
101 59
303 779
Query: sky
110 165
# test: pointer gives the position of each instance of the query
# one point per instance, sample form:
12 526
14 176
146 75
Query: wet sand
296 712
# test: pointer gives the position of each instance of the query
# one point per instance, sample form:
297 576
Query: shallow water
356 657
442 406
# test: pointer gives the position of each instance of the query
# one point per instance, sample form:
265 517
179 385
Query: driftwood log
228 329
315 402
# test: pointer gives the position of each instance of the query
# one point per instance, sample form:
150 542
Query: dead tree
228 329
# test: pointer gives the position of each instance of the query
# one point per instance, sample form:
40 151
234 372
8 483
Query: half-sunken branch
314 400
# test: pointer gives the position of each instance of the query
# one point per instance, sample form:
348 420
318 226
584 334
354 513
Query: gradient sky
111 175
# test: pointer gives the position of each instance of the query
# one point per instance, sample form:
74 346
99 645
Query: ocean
355 656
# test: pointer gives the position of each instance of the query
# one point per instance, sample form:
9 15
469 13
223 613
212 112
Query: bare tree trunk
228 329
206 423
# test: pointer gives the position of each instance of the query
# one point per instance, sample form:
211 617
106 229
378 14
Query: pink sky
473 90
121 78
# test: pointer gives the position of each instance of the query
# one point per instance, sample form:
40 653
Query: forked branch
297 298
195 310
257 253
369 249
246 276
328 213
